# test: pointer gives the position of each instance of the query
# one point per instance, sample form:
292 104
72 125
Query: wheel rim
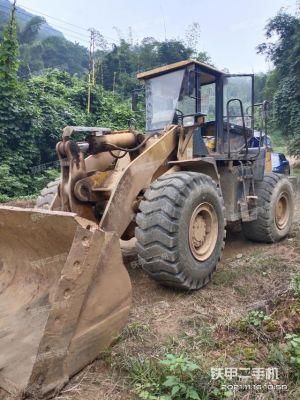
203 231
282 211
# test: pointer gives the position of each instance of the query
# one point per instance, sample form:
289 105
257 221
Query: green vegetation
279 142
43 87
42 46
257 340
173 377
254 318
135 330
293 349
23 17
296 286
282 85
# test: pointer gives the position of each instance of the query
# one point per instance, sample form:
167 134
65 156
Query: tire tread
157 224
261 230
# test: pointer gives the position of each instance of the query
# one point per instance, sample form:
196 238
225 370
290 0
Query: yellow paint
268 161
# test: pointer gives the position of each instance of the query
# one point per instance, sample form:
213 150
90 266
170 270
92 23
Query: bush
172 378
293 350
254 319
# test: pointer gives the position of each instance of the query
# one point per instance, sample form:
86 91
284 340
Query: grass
252 339
278 142
136 330
280 145
296 286
241 319
19 199
198 335
296 172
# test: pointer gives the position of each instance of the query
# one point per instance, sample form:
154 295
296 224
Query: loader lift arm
65 293
138 175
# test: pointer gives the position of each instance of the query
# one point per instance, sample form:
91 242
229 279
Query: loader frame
84 179
66 295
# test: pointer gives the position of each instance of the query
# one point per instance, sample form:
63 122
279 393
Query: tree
259 87
30 31
9 105
117 68
9 64
30 49
37 100
59 53
171 51
192 40
285 54
192 37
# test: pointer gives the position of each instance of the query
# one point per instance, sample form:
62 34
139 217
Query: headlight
189 121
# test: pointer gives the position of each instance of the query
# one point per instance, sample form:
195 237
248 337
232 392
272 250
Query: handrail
228 123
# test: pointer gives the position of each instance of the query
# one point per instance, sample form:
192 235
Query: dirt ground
201 324
204 324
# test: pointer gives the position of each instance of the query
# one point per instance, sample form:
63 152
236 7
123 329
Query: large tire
275 210
168 242
47 195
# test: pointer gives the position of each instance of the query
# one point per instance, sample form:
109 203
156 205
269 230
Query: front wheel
275 210
180 233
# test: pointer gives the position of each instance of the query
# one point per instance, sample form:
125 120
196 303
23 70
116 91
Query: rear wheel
46 199
180 233
275 210
47 195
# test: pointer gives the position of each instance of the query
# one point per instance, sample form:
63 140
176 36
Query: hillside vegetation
43 87
23 17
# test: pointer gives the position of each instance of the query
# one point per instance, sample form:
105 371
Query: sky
230 29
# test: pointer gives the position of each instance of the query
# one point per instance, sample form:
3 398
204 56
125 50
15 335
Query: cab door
237 109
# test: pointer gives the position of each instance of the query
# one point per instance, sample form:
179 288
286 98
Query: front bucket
64 297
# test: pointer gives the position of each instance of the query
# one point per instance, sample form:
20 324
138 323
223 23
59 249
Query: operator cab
190 93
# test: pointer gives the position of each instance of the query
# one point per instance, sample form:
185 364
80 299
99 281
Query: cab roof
178 65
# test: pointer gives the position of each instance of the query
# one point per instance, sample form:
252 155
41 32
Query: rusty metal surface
77 186
185 145
112 176
268 161
98 162
203 231
72 171
64 296
103 143
205 165
68 131
137 176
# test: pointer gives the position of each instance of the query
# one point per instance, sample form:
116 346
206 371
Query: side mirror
134 100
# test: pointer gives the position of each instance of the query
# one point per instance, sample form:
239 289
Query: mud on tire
275 210
164 230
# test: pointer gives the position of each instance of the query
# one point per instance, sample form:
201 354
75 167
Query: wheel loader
64 291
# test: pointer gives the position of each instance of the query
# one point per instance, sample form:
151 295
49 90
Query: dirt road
250 277
201 324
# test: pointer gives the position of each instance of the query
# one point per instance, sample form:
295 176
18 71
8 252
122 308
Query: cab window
208 101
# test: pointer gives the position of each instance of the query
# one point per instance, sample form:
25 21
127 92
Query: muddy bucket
64 297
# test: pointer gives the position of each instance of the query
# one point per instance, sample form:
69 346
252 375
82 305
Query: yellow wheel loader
64 291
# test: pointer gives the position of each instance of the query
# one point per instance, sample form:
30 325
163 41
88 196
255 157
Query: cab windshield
162 95
174 95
